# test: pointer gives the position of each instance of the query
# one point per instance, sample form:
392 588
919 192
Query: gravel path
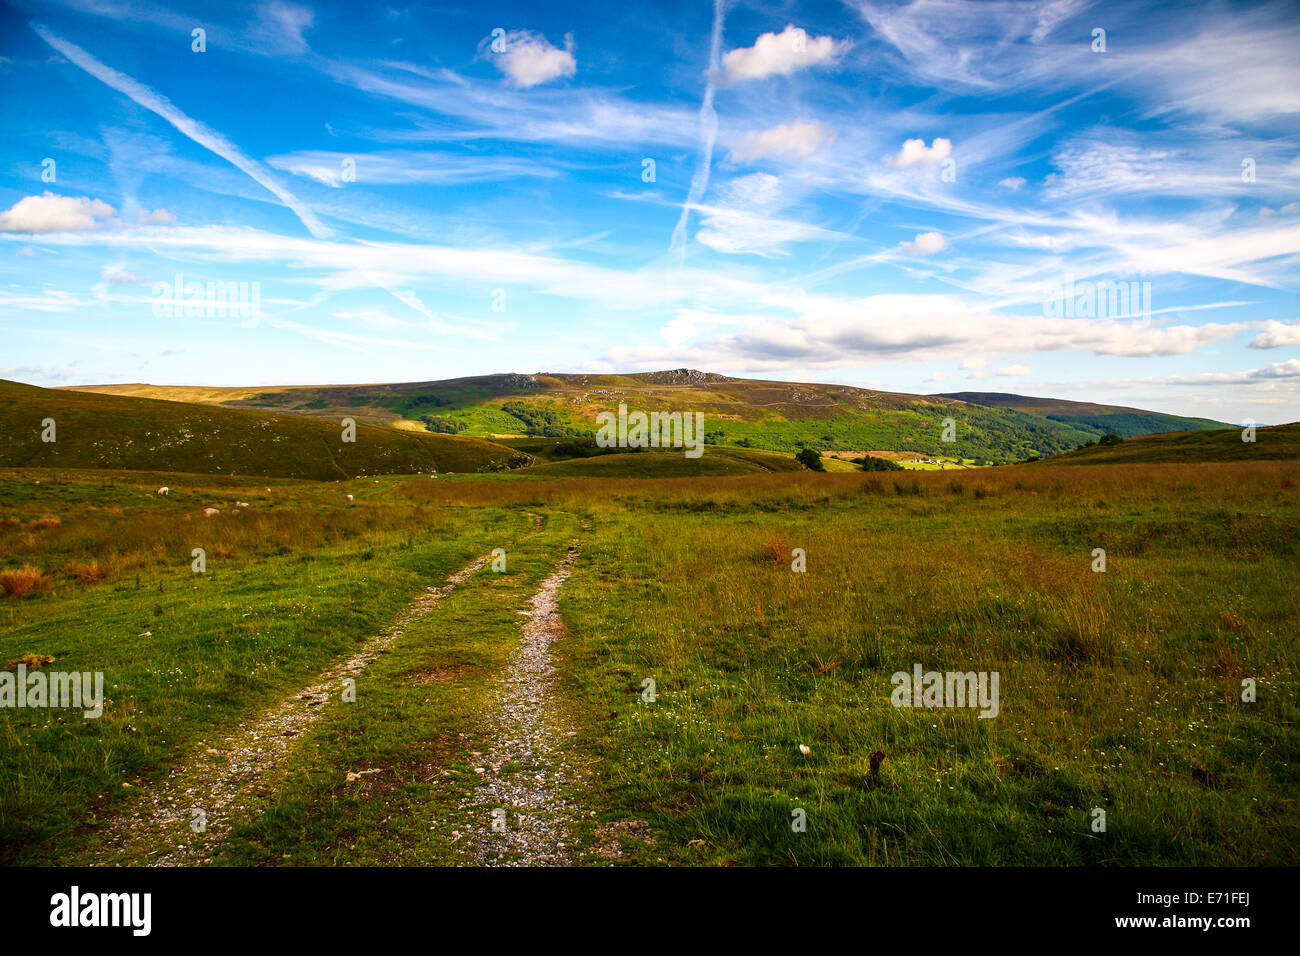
525 771
220 780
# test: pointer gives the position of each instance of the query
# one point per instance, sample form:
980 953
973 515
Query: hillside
115 431
1088 416
1274 443
745 413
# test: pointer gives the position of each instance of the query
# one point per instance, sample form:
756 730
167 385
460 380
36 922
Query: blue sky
887 195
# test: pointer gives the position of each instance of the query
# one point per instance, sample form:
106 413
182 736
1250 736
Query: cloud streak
206 137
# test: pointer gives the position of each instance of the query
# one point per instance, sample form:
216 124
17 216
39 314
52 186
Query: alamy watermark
54 689
1103 299
208 300
948 689
652 430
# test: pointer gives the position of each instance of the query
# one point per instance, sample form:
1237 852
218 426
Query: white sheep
349 497
209 512
241 504
163 490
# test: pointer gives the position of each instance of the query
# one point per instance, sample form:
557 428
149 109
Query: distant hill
744 413
1087 416
1221 444
115 431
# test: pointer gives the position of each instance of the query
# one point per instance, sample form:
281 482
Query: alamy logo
55 689
1103 299
103 909
213 300
950 689
653 430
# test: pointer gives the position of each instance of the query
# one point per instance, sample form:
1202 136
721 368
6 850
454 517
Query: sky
933 196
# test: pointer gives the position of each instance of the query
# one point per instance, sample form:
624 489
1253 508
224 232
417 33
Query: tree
811 458
1110 439
871 463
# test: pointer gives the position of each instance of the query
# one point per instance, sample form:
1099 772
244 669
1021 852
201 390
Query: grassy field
113 431
1119 690
1275 443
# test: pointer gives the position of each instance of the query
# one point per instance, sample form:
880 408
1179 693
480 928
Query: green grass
305 577
1274 443
142 434
1119 690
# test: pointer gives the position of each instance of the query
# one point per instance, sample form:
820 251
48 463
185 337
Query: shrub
89 572
22 581
811 459
443 425
871 463
46 521
777 549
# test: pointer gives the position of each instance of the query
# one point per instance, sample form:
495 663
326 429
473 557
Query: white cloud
834 332
780 54
51 213
745 220
916 153
1277 335
797 140
282 25
1012 182
398 167
926 243
1014 370
530 59
708 124
974 363
1278 371
156 217
939 377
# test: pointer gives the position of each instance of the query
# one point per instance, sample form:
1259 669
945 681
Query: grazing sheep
163 490
209 512
241 504
349 497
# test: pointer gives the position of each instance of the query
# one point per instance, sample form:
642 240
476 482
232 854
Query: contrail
207 138
709 133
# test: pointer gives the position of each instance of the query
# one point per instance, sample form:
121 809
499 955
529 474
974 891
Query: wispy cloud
708 123
198 132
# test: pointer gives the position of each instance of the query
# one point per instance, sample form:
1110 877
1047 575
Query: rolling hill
741 413
1101 419
117 431
1273 443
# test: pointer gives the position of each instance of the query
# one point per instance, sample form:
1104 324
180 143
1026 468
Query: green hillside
1274 443
1087 416
144 434
744 413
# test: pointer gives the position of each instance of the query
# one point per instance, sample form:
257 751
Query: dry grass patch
33 662
20 582
88 572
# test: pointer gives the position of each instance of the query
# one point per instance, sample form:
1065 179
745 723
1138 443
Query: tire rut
220 780
521 814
